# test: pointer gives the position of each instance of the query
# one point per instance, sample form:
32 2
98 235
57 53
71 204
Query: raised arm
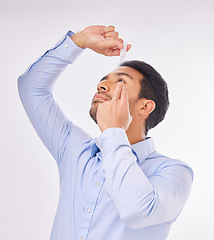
36 84
147 195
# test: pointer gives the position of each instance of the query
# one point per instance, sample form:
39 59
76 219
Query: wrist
103 128
111 138
78 39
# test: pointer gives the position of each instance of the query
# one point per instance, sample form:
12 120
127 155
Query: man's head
147 91
153 87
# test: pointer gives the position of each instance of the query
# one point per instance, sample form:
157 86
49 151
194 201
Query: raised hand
115 113
101 39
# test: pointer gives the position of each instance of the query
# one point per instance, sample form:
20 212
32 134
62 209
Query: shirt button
97 184
89 210
66 45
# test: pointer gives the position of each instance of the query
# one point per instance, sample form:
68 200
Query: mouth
99 97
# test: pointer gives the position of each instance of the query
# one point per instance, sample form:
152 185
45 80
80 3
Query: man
116 186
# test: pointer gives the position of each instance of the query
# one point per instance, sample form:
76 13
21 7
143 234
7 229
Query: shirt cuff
66 49
112 138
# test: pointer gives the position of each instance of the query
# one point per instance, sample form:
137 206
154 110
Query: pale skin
116 104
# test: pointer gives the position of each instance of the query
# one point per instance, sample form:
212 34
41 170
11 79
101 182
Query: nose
103 86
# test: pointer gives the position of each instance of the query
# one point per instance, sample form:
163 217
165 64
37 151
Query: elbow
139 215
129 217
20 83
23 85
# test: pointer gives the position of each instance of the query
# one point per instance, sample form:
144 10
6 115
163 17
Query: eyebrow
118 74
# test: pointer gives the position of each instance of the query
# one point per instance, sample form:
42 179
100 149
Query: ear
146 106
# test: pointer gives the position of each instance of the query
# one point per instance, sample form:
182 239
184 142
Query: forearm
142 200
125 181
42 74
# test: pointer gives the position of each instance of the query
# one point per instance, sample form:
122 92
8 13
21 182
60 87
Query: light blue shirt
109 189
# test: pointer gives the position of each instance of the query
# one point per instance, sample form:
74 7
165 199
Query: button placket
97 184
89 210
90 206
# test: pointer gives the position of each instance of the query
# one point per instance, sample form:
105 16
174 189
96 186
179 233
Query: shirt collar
94 148
141 149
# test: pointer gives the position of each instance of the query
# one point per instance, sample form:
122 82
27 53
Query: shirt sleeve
140 200
35 90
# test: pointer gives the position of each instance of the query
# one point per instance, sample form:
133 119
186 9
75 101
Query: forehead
129 71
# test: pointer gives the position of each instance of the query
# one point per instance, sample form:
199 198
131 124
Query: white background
176 37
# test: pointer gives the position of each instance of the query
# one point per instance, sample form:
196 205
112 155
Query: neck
136 132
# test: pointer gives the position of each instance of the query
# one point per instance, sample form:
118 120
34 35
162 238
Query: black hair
153 87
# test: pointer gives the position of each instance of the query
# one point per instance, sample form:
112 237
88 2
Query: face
128 77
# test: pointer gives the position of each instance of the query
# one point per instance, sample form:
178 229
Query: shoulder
157 163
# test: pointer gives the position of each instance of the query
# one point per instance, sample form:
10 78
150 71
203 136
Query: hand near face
101 39
115 113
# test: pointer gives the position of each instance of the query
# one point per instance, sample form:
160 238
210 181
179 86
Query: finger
109 43
124 94
109 29
113 52
116 51
117 92
116 39
111 34
117 42
129 47
121 41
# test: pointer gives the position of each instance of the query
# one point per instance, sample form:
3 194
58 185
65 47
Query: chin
93 112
